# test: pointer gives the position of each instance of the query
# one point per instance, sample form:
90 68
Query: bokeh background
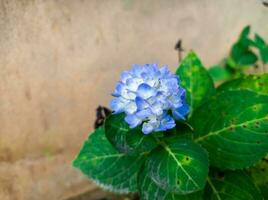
60 59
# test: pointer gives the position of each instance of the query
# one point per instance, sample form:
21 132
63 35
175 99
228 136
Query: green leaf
233 127
248 58
231 185
196 80
259 41
245 32
179 165
219 73
230 63
148 190
256 83
241 53
264 54
243 56
109 169
259 173
264 191
263 48
126 140
181 130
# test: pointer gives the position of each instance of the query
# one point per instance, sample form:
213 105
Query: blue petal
125 76
141 103
145 75
167 122
118 89
122 90
132 120
131 108
182 93
152 69
118 105
130 95
143 114
164 71
180 112
145 91
133 83
147 128
172 84
175 101
184 109
137 70
157 108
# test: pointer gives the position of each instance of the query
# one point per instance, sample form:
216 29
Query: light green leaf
126 140
219 73
179 165
230 63
259 173
256 83
233 127
231 185
148 190
109 169
196 80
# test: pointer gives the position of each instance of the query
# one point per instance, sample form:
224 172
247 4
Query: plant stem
214 189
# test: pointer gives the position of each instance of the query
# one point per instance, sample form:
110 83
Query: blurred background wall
60 59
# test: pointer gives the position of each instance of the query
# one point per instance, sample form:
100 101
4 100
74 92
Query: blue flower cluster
148 95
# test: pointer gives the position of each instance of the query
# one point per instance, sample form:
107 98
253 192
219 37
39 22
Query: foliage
218 152
245 53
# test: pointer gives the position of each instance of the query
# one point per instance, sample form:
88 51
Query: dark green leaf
259 41
196 80
264 191
256 83
179 165
264 54
233 127
243 56
150 191
181 130
263 48
111 170
245 32
219 73
127 140
241 52
248 58
230 185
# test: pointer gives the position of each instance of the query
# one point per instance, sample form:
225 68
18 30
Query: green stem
213 188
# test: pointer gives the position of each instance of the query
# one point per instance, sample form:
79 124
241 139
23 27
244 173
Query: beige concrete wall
60 59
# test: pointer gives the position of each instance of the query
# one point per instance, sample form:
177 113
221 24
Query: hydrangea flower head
150 96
